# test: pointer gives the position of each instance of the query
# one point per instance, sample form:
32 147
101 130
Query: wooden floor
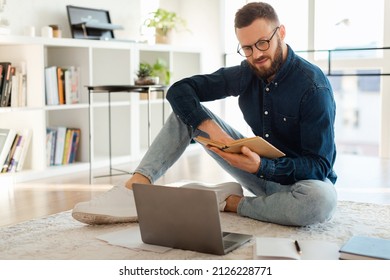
362 179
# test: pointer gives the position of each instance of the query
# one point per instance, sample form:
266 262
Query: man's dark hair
252 11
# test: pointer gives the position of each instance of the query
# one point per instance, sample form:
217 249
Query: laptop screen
88 23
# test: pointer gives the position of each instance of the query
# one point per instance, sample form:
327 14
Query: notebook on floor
183 218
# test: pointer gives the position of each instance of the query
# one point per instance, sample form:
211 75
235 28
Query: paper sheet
131 238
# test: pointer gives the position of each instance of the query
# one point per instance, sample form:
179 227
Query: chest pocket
286 126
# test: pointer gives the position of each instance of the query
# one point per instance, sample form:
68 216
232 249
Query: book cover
7 137
21 160
18 85
75 145
51 136
71 76
68 145
60 145
257 144
365 248
16 153
61 86
276 248
6 83
8 162
15 88
51 86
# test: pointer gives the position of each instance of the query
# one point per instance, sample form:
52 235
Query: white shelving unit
101 63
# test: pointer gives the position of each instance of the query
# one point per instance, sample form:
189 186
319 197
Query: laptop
183 218
89 23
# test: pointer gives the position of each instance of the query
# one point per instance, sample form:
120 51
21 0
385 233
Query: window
348 24
334 25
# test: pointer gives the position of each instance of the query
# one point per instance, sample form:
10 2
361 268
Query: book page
273 248
284 248
319 250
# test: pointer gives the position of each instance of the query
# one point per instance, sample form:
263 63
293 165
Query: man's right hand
215 132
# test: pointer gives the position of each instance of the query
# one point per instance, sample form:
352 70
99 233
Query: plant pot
144 81
163 37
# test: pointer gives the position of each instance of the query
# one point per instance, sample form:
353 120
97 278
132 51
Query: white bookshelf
101 63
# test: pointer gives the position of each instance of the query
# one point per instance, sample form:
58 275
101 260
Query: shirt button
267 89
266 113
284 119
267 135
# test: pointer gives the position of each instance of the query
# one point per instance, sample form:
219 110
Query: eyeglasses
261 45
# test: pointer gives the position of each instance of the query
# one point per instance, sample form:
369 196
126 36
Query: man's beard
265 74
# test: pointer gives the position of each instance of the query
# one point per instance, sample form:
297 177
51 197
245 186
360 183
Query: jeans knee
319 206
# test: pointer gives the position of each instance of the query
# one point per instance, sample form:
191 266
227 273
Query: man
283 98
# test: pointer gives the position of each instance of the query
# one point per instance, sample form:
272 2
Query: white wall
38 13
202 16
204 20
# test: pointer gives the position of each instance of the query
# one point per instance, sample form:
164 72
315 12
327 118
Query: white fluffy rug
61 237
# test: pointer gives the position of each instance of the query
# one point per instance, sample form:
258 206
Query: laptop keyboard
228 244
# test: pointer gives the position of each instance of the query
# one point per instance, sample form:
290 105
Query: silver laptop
183 218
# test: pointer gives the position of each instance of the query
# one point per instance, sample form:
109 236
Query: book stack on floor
62 145
13 81
365 248
13 149
62 85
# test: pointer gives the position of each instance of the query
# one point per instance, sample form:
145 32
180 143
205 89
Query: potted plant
161 70
145 75
164 22
153 74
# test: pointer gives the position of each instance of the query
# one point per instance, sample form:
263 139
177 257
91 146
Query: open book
275 248
255 144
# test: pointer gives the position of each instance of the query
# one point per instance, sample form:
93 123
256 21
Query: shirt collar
286 66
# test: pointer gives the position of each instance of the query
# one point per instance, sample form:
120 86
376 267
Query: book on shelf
72 85
278 248
13 84
365 248
62 145
62 85
51 85
256 144
71 144
19 85
8 162
51 136
5 86
20 159
17 153
7 137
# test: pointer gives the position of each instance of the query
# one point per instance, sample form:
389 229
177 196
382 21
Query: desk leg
163 107
109 132
90 136
149 120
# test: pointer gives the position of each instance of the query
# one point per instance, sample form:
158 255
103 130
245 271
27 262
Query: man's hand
248 161
215 132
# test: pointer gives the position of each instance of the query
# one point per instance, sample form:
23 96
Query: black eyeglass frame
261 41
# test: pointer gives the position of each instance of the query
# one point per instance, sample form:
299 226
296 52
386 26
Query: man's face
264 63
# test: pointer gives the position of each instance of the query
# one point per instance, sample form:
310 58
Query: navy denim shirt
295 112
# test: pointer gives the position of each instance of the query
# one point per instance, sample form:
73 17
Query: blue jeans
302 203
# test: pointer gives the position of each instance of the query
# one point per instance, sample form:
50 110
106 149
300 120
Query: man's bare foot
232 203
136 178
